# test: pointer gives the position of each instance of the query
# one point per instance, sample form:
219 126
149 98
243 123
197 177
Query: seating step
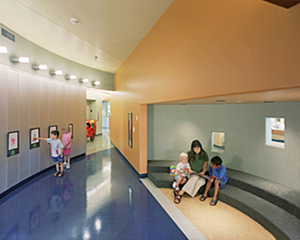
161 180
274 206
161 166
280 223
281 196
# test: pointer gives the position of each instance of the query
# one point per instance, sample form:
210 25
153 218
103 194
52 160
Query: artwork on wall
130 130
51 128
71 129
34 132
12 143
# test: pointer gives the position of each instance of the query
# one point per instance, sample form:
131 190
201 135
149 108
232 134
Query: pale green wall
172 128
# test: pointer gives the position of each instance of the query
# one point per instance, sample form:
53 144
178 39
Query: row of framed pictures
13 146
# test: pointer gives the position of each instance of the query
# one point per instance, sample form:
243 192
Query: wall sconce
95 83
83 80
19 59
70 77
39 67
55 72
3 49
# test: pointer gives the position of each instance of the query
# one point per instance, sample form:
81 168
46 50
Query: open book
209 178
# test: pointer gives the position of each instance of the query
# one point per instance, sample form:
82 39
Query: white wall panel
81 116
13 124
24 86
52 92
3 128
29 101
13 99
44 105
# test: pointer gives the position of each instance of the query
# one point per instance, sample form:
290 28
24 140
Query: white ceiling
108 29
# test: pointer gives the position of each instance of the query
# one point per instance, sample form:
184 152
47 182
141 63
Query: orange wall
202 48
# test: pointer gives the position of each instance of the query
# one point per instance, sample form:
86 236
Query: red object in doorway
91 129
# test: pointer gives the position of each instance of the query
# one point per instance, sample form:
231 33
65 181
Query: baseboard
131 168
36 176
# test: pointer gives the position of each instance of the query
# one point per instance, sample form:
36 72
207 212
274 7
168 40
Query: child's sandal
55 174
177 199
61 174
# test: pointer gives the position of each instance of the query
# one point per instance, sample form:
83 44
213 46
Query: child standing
67 142
182 169
217 171
57 149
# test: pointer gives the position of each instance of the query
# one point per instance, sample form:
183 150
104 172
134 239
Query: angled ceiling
106 34
107 31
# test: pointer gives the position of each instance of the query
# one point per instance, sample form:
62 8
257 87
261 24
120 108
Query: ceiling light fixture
70 77
55 72
95 83
3 49
83 80
19 59
39 67
74 20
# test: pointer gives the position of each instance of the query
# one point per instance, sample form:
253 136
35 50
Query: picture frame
13 146
34 132
71 129
51 128
130 129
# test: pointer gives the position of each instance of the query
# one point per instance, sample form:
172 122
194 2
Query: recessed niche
218 142
275 132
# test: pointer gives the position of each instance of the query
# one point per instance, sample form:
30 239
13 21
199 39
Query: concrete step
279 222
161 166
282 196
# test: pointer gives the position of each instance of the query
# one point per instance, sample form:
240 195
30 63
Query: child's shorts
222 183
58 159
177 176
67 151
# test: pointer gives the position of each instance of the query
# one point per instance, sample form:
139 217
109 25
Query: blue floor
98 198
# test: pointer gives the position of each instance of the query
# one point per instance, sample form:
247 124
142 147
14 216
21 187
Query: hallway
98 198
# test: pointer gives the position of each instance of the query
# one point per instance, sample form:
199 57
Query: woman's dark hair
196 143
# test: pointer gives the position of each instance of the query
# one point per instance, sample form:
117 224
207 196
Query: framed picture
34 132
130 130
12 143
51 128
71 128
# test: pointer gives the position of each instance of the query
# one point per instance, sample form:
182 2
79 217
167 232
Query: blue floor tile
98 198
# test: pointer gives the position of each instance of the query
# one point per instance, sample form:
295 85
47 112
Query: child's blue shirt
218 172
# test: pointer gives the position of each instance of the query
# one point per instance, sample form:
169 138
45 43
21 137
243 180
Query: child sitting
217 171
182 169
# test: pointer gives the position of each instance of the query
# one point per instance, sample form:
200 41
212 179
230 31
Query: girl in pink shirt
67 142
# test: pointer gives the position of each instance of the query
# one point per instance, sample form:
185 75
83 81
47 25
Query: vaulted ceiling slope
106 33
